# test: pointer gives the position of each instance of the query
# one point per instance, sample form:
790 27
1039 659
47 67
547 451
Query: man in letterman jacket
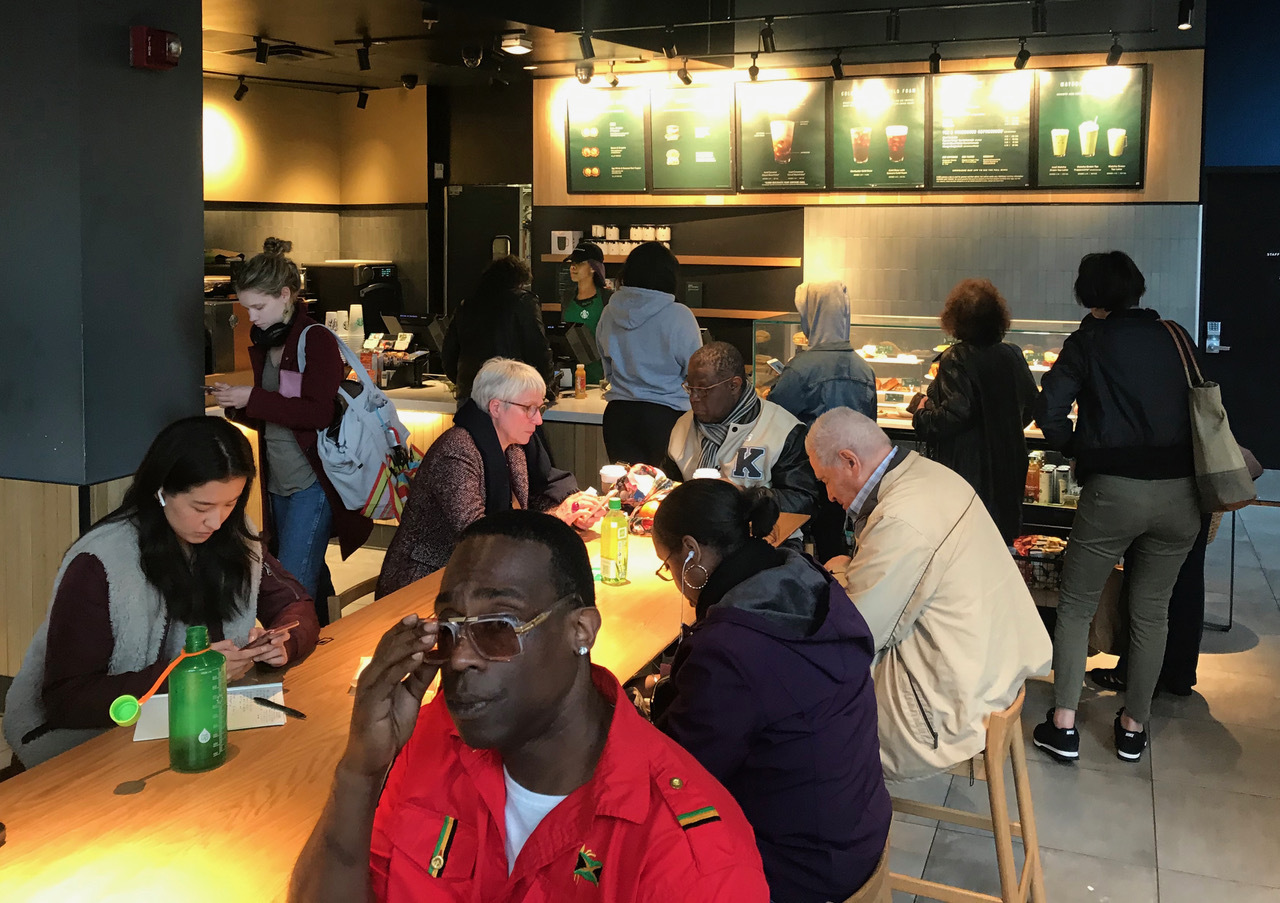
750 441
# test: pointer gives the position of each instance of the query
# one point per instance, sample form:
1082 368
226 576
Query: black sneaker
1129 744
1061 743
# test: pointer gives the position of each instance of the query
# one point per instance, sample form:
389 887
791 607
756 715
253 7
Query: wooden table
75 834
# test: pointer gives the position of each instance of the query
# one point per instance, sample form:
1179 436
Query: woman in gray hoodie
645 338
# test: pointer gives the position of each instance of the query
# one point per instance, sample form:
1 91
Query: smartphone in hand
267 636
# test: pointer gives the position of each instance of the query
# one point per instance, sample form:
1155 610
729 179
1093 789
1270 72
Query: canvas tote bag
1222 479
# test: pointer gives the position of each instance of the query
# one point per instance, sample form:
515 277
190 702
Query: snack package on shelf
1040 560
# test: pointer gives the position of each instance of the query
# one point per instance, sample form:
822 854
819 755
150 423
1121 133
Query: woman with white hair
490 460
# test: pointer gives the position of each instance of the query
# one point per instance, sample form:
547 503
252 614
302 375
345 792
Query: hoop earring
684 573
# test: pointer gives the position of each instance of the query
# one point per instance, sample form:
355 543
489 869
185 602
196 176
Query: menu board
782 132
605 147
1091 126
982 130
690 131
879 129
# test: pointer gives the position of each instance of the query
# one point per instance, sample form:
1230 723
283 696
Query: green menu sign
1091 127
690 131
879 129
982 130
605 147
782 130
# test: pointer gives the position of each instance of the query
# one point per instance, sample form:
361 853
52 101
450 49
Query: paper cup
610 474
355 321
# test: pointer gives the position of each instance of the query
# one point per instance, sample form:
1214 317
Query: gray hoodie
645 340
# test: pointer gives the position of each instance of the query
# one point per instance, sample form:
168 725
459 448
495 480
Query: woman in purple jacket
771 691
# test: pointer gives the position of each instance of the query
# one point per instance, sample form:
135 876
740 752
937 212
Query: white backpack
366 453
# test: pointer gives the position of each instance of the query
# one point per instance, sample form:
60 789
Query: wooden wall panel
578 448
1173 143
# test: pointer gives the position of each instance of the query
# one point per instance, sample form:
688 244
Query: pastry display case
902 352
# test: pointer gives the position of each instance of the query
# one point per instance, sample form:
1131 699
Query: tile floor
1197 820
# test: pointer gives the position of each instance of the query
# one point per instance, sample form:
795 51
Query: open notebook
242 711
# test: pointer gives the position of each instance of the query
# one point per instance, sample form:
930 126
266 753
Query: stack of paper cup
356 320
331 321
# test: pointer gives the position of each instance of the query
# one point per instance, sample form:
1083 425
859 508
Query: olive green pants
1159 519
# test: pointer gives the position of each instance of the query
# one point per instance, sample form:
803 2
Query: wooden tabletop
76 833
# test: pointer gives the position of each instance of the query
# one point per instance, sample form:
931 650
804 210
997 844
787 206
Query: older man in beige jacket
956 631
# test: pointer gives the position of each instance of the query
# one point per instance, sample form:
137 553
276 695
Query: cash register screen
573 342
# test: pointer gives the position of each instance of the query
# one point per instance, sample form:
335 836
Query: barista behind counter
750 441
586 301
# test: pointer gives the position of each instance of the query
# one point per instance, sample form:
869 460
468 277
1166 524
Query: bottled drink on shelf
580 382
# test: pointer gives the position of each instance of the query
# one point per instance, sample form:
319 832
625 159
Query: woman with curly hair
980 402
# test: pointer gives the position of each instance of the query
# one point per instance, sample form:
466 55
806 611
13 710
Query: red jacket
313 410
650 826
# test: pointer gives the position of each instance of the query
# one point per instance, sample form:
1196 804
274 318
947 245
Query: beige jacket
955 628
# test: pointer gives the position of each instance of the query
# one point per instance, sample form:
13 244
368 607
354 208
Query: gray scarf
713 434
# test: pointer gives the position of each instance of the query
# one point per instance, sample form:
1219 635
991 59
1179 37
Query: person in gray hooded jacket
646 338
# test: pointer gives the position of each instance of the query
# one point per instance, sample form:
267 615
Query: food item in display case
933 370
1051 356
800 340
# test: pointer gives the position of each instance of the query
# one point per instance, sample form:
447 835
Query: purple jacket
773 695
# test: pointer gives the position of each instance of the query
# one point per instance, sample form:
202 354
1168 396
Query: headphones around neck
273 336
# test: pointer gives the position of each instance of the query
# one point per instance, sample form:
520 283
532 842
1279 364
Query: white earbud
160 497
688 557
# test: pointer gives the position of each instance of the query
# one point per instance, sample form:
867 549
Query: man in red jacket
530 777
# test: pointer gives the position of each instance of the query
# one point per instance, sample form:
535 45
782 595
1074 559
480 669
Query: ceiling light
1186 9
584 44
362 100
837 66
753 71
1039 18
669 43
683 73
1020 61
409 80
892 26
362 55
935 61
1114 54
529 68
261 51
584 71
613 79
242 90
766 36
518 43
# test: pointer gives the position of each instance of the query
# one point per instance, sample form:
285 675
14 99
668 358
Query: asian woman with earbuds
771 690
287 404
177 552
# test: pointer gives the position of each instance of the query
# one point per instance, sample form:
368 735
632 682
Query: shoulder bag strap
1185 355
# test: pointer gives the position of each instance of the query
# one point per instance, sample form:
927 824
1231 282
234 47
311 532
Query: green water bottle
198 706
613 545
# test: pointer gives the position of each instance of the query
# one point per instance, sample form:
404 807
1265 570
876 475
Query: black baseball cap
586 250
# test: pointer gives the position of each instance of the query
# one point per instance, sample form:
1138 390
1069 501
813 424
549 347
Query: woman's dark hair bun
276 247
762 512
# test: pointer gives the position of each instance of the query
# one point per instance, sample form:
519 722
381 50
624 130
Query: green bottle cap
125 710
197 638
615 504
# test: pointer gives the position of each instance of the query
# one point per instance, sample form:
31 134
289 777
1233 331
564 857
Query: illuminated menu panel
690 131
878 126
982 130
1091 127
782 131
605 146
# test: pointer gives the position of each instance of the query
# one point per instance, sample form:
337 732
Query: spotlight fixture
429 15
767 43
683 73
837 67
362 99
517 43
261 50
584 44
472 56
1020 61
362 55
1116 51
669 43
753 71
613 78
499 82
242 89
584 71
409 80
1039 18
1186 9
935 61
892 26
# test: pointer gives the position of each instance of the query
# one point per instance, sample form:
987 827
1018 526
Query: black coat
504 325
1126 377
980 402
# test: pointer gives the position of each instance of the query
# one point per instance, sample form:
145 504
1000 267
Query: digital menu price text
605 147
982 130
879 130
782 128
690 133
1090 127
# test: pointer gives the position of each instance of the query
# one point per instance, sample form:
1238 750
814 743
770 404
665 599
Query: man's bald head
845 448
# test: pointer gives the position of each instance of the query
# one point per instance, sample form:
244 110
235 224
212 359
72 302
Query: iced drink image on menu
1117 141
1089 138
896 135
1060 137
783 132
861 138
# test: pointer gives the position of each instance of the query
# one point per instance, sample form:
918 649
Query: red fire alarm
151 48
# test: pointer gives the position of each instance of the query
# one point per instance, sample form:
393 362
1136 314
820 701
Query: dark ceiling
432 37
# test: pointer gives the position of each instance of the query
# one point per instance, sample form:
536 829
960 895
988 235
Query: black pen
272 704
